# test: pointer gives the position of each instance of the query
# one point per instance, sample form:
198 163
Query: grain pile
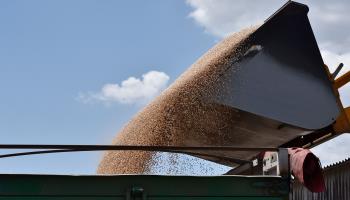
181 115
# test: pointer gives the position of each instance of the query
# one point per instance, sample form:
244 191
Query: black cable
134 147
234 160
32 153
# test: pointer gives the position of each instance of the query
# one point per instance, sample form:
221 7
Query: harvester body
280 90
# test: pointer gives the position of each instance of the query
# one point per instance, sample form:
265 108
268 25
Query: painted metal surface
337 179
52 187
285 78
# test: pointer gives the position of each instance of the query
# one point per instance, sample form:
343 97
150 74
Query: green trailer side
150 187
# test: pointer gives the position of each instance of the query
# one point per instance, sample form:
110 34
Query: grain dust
180 115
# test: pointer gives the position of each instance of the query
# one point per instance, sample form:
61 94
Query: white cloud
330 21
222 17
334 150
130 91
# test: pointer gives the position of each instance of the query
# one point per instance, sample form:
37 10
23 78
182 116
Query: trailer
145 187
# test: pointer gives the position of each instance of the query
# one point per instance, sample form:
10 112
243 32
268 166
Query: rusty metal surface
337 179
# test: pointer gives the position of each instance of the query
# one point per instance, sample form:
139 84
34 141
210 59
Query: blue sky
50 51
56 54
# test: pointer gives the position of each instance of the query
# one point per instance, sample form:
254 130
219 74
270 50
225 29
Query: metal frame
251 169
